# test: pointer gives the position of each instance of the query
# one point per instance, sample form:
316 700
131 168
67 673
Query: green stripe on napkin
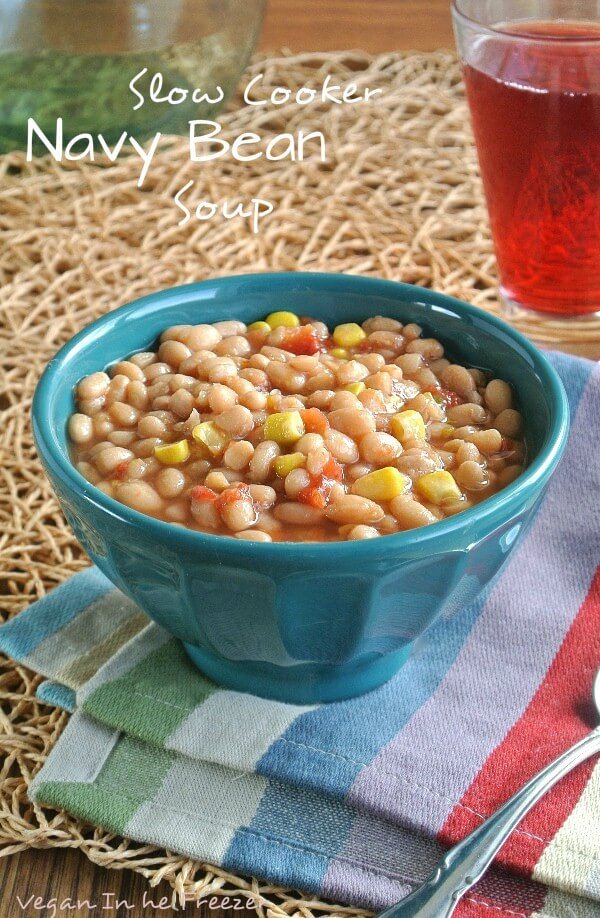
103 802
167 678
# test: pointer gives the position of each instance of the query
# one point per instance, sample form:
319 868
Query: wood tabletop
372 25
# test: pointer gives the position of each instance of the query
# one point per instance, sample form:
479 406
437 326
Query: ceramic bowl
302 622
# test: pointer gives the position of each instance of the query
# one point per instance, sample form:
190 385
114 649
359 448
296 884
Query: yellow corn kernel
208 434
172 453
284 427
382 484
438 487
348 335
340 352
260 326
447 431
283 465
408 425
287 319
355 387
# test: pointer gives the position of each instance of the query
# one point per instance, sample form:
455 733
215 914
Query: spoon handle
465 863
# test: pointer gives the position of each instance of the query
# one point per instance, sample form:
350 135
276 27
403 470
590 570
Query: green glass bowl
72 60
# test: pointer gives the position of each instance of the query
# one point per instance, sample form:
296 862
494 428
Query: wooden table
372 25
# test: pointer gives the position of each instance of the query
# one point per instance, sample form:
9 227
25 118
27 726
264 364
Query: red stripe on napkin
560 713
505 893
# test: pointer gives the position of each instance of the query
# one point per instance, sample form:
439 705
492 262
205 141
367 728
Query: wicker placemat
399 197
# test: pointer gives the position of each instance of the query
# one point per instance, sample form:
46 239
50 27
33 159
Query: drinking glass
532 73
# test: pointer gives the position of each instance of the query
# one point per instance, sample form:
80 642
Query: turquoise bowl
302 622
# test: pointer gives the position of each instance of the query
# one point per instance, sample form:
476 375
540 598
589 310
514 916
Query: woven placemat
399 197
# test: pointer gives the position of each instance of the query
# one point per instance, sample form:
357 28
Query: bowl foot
305 683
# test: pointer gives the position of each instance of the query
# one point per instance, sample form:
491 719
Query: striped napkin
356 800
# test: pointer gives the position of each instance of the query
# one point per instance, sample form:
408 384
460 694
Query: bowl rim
498 505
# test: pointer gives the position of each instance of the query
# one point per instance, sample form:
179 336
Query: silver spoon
465 864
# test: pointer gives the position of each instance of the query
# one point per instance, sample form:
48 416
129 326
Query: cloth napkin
354 801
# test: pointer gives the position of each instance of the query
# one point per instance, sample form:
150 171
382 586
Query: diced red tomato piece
311 496
451 398
199 492
332 469
314 420
231 495
318 492
325 344
120 472
302 340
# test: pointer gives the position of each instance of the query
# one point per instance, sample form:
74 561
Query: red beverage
535 107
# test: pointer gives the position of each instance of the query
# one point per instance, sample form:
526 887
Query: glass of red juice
532 74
